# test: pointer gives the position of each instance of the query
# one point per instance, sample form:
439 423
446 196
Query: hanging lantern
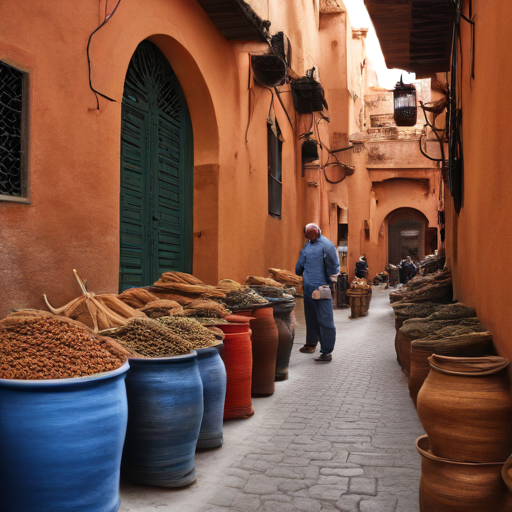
404 98
309 149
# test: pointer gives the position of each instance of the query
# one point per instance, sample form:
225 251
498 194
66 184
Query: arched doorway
408 235
156 172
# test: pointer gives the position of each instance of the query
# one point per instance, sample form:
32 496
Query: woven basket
359 302
416 329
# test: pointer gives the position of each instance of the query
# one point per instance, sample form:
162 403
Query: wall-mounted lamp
404 99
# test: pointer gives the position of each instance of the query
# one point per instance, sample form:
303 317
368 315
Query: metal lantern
404 99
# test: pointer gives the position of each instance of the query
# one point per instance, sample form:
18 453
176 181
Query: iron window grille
275 184
13 180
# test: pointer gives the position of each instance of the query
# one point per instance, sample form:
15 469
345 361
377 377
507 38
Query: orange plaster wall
73 218
479 241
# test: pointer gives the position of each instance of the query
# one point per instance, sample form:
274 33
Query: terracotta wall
72 220
479 239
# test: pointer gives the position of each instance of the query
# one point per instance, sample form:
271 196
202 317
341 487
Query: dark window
275 185
12 179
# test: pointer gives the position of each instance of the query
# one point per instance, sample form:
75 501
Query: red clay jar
237 357
265 340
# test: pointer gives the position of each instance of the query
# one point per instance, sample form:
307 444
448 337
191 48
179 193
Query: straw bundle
96 311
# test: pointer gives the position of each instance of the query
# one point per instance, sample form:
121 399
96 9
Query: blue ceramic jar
213 376
61 443
165 401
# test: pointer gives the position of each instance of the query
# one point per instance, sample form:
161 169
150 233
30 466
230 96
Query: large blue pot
61 443
165 402
213 376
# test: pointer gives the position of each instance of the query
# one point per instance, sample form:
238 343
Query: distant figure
362 267
407 270
318 264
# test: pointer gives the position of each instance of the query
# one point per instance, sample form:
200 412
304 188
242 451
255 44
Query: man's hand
334 278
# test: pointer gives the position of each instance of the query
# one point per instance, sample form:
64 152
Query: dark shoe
307 349
324 358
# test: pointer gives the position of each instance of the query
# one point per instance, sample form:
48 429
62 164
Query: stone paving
334 437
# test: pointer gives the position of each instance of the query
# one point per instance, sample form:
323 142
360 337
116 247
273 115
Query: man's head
312 232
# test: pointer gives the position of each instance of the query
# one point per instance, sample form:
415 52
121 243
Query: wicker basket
359 302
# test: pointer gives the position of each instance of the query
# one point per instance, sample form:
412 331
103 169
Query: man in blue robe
318 264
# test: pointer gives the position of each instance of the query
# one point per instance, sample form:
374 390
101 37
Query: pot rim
163 360
500 362
206 350
431 456
230 334
44 383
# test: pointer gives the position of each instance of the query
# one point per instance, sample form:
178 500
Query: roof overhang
415 35
236 20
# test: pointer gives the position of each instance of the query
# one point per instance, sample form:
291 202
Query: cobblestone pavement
334 437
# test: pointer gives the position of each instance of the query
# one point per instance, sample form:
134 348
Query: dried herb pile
151 338
48 347
190 330
244 297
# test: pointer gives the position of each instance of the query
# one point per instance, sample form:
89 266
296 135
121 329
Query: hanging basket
308 95
269 69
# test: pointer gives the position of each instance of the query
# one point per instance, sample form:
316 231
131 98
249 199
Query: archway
156 171
408 235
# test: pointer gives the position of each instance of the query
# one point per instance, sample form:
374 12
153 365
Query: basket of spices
63 415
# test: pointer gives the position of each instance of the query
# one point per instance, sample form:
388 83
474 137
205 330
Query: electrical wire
105 21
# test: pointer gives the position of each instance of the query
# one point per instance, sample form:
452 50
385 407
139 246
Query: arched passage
156 171
409 235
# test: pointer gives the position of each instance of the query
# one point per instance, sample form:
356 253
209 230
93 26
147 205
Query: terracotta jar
265 340
506 473
285 321
477 344
465 407
237 357
451 486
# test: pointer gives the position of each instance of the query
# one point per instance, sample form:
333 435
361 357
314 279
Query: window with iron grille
13 181
275 185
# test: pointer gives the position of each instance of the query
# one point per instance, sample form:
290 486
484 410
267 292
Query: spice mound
151 338
49 348
191 330
244 297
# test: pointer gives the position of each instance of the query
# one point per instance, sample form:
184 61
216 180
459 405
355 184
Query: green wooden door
156 172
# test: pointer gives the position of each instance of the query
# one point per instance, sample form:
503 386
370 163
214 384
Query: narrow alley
337 436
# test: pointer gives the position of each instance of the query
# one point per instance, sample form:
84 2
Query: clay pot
213 377
450 486
466 345
265 340
165 410
284 319
237 357
506 473
61 442
465 407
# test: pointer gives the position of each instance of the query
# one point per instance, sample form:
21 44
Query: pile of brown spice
151 338
47 347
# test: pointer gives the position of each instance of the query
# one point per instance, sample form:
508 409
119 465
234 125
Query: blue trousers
319 323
